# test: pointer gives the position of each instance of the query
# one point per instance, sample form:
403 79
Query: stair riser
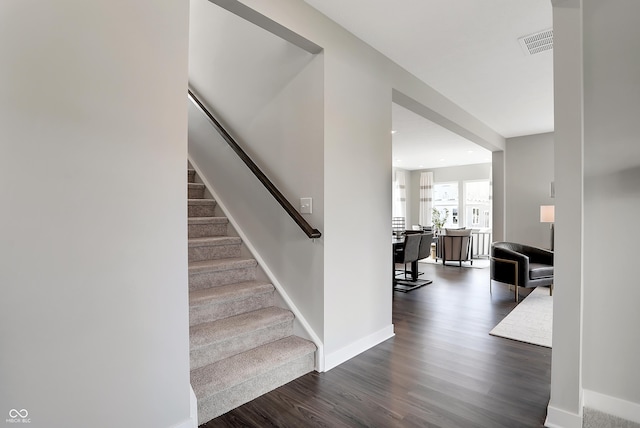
213 252
199 281
219 310
201 210
204 230
191 176
196 192
224 401
235 345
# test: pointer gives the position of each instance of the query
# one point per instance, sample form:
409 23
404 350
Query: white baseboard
340 356
612 405
192 422
189 423
193 408
558 418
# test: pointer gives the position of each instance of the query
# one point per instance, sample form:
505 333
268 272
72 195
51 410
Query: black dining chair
409 252
425 247
424 251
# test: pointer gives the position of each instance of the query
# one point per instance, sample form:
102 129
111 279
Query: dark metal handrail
293 213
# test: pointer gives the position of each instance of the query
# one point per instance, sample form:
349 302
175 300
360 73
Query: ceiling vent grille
538 42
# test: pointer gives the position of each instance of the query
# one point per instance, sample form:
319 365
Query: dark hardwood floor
442 369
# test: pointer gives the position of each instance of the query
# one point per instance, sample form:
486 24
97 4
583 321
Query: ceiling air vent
538 42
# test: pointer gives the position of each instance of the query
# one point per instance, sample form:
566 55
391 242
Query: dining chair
425 247
456 246
409 252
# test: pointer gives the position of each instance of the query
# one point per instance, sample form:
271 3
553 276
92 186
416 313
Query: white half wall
529 163
93 266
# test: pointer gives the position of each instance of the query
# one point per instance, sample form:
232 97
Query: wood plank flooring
442 369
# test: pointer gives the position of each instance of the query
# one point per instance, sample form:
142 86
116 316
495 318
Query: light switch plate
306 205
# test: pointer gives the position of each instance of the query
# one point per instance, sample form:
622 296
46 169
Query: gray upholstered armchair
521 266
455 246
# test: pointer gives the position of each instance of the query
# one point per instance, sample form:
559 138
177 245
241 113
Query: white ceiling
468 50
421 144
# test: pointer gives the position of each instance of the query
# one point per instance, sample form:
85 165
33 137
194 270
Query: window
477 202
445 196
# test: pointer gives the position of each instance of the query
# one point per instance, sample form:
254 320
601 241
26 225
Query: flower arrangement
439 219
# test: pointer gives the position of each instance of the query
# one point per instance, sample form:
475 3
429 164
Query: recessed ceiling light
470 151
441 160
393 131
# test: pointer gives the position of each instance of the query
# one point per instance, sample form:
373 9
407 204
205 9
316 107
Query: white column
565 406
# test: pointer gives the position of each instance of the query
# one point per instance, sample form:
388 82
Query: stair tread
207 220
224 374
228 292
221 324
221 264
214 240
192 201
237 325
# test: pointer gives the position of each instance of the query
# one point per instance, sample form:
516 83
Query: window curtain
426 198
400 194
491 197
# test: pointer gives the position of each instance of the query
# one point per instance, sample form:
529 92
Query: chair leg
551 290
516 293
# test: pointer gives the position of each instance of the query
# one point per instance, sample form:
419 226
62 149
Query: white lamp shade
547 213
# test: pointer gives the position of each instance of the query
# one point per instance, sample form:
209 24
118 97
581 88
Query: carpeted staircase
242 346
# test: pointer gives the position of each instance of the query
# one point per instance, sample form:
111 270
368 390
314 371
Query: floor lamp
547 215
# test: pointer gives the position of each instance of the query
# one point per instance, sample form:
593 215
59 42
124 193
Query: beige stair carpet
242 346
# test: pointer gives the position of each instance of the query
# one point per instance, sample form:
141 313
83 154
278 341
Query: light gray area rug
597 419
531 321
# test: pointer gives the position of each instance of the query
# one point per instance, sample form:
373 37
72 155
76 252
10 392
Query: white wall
268 94
528 176
359 84
595 311
497 197
611 196
93 266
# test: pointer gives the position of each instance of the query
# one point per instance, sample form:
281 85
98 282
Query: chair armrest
540 255
511 277
521 269
505 253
